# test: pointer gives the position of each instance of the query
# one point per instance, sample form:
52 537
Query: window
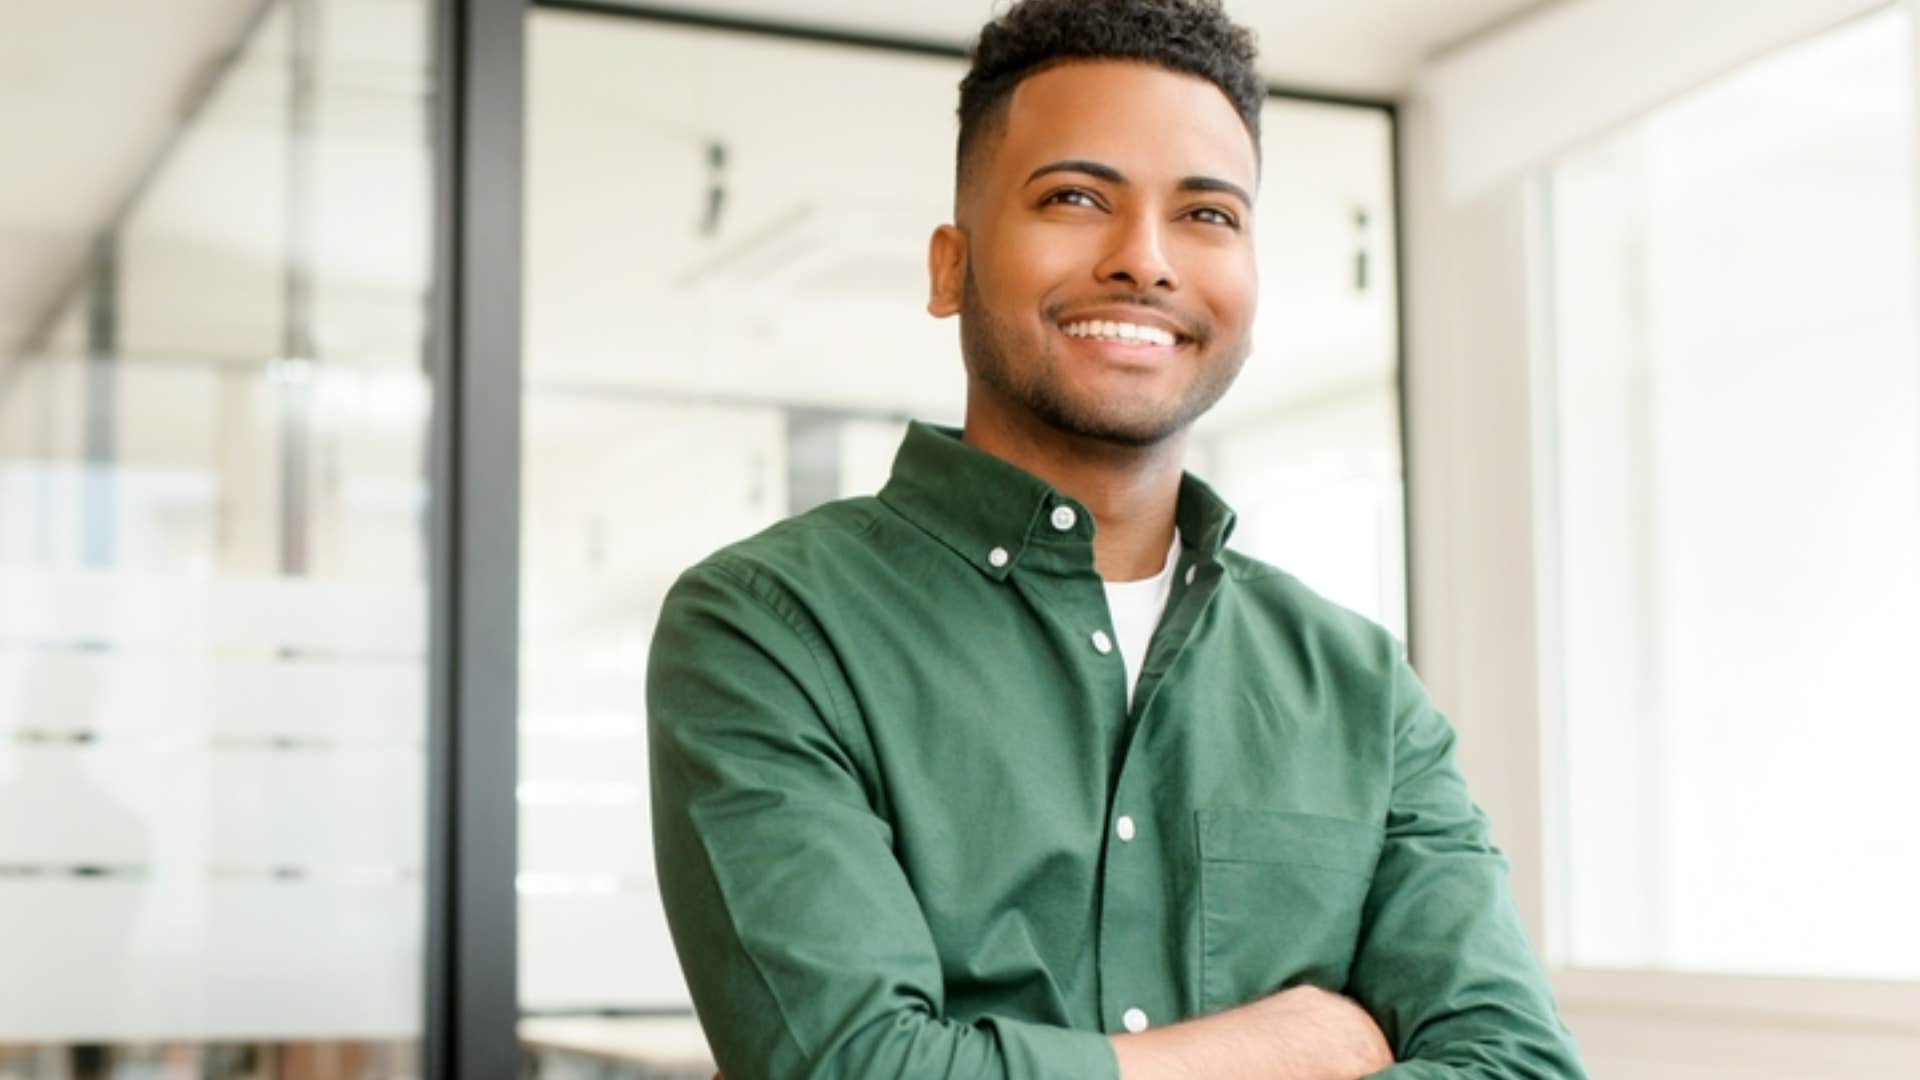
1733 403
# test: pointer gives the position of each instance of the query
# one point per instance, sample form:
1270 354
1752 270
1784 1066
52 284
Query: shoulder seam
765 592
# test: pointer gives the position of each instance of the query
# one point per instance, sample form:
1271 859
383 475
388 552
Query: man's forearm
1299 1034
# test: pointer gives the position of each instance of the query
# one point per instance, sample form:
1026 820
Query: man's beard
1036 387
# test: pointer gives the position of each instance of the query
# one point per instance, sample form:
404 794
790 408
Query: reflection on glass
1737 409
726 325
212 610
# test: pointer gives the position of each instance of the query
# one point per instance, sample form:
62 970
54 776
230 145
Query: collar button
998 557
1064 518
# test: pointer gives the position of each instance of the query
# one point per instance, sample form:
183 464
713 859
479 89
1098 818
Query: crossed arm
807 954
1300 1034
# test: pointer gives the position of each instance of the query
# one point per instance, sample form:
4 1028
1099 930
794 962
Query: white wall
1476 126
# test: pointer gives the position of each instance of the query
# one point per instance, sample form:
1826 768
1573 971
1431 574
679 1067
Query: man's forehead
1154 118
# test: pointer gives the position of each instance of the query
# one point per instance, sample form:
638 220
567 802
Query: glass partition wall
725 302
213 632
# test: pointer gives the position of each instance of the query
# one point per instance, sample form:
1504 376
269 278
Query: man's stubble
986 344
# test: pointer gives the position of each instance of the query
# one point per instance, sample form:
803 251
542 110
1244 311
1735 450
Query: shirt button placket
1134 1018
1120 910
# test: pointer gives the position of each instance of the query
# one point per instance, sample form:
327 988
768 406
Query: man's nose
1138 257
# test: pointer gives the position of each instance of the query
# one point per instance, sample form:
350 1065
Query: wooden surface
656 1042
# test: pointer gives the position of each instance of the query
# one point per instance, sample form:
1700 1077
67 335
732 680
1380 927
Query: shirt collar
990 511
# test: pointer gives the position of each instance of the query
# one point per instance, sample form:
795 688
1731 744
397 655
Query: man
1016 770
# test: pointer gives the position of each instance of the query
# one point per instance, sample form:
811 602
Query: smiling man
1017 769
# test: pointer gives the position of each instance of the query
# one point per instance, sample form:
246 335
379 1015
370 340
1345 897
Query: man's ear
946 270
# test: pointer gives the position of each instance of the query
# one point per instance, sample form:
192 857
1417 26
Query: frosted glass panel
213 634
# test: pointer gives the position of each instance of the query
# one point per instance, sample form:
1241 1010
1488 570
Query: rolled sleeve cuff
1039 1052
1408 1070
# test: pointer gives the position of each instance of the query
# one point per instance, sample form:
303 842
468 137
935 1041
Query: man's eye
1214 216
1071 197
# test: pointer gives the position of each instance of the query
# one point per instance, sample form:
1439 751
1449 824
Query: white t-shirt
1136 607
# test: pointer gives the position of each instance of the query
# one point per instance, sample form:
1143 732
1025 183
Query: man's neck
1132 491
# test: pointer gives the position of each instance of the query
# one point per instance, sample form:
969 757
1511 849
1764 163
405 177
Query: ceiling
1364 48
123 72
95 89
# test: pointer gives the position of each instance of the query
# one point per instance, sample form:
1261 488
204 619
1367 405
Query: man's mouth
1125 333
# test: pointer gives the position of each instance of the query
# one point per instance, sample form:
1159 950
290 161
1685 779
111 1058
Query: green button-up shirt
907 826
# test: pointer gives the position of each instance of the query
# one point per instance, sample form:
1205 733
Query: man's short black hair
1193 37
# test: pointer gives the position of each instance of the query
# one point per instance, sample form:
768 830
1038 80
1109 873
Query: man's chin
1133 429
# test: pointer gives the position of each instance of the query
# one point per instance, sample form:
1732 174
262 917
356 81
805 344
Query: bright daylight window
1735 413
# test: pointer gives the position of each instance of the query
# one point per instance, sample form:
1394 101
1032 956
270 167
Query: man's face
1103 265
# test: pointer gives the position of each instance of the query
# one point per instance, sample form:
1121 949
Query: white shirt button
1064 518
1102 644
998 556
1123 828
1190 572
1135 1020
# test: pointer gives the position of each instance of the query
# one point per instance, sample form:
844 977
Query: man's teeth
1128 333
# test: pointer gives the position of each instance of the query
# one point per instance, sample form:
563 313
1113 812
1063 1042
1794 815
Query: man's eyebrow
1113 176
1092 168
1215 184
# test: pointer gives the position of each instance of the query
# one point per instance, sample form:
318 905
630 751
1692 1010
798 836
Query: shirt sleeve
1443 962
801 940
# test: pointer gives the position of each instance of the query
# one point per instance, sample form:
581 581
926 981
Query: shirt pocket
1280 900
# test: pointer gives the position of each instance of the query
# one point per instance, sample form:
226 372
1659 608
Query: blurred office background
324 613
